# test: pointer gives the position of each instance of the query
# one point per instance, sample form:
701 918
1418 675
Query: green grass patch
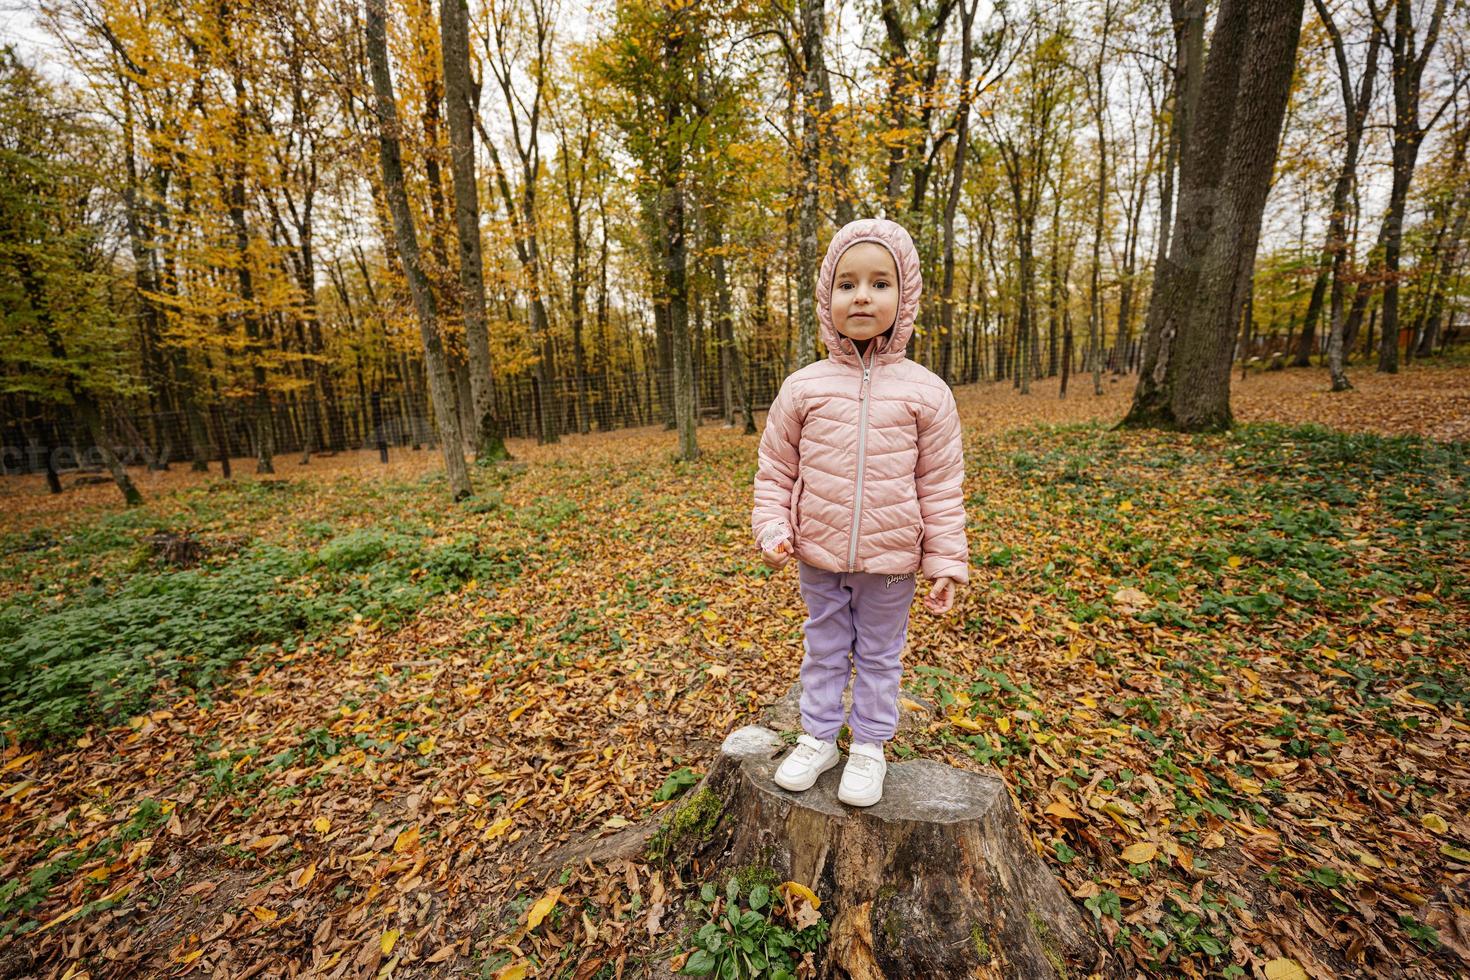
106 652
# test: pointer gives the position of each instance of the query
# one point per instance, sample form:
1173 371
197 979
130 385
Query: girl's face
864 291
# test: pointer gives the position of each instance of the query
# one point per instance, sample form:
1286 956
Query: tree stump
178 550
937 879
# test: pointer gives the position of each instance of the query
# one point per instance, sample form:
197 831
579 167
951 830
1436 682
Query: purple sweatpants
853 619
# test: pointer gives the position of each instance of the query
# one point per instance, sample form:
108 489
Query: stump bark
937 879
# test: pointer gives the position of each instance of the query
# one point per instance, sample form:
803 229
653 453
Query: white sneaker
862 779
811 757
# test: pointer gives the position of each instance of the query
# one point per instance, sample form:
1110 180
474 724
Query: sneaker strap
812 742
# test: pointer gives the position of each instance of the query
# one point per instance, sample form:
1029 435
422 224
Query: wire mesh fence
398 418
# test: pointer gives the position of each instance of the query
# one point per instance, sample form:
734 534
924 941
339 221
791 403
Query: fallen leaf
543 906
1131 599
655 920
797 890
1285 968
302 877
1060 808
1140 853
441 954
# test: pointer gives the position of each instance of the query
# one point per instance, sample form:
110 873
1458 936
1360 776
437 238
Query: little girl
860 477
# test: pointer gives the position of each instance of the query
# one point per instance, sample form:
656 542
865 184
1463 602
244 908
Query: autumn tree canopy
201 259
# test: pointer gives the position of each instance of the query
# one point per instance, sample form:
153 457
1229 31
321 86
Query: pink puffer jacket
863 467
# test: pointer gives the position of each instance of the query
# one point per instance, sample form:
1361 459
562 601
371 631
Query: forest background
202 262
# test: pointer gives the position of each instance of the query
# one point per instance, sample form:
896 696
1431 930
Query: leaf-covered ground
1225 677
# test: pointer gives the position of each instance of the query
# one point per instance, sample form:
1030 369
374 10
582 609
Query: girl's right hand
779 554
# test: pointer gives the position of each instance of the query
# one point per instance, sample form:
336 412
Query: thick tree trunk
389 157
488 434
1229 157
938 879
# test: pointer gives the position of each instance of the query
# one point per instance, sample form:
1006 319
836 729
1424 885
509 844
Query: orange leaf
1060 808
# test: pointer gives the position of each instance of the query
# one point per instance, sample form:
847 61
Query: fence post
378 433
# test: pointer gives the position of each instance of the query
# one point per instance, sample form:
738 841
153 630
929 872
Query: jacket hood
894 237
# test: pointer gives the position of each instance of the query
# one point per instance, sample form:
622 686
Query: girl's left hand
941 598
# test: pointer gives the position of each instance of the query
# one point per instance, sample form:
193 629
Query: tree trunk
261 421
488 434
1028 306
389 157
1099 100
812 29
1335 251
724 323
1410 55
604 340
523 213
1189 39
675 283
956 185
1449 258
575 195
1229 157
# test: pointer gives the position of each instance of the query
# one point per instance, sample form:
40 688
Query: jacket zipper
857 496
